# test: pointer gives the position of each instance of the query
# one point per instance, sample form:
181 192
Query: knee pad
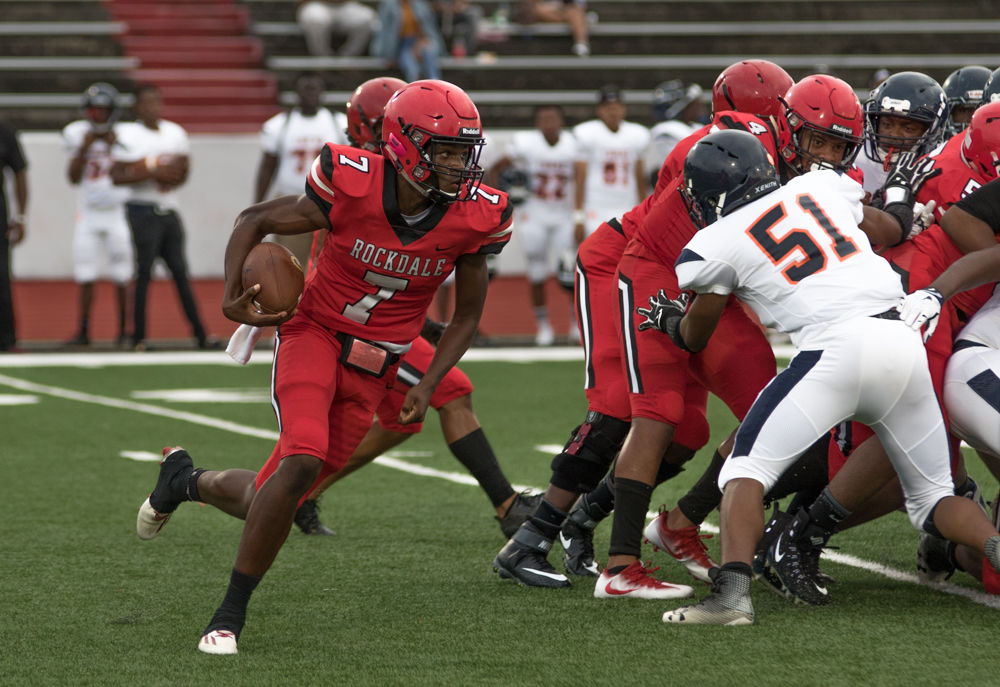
587 455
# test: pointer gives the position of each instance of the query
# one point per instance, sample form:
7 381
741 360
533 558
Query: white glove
919 308
242 342
923 217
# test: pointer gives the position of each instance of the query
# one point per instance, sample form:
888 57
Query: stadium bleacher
225 64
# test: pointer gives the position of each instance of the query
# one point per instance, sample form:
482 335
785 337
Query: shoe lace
642 576
690 543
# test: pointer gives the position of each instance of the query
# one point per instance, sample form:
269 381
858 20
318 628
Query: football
279 274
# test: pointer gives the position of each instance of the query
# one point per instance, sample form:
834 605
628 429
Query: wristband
579 217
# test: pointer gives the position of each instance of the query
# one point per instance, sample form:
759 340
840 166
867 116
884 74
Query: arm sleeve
697 274
984 204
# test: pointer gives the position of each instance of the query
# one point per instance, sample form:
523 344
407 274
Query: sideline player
453 397
839 305
100 211
609 176
544 221
289 142
399 223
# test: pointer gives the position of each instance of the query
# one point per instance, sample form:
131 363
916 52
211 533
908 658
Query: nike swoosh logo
566 543
551 576
821 590
778 553
609 588
591 567
439 248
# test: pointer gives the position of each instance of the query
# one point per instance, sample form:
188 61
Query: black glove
432 330
906 178
665 314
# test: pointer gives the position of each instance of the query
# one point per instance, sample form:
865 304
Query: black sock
84 326
599 503
826 513
631 504
548 519
704 496
475 453
231 614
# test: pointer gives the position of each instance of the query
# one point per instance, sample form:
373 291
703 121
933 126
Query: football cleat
220 642
761 572
156 510
637 582
521 508
307 519
686 545
934 562
728 604
545 336
794 559
524 560
578 549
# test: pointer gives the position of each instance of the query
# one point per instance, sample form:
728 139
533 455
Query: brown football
279 274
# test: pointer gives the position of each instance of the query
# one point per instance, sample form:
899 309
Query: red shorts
738 361
597 313
324 408
412 368
656 370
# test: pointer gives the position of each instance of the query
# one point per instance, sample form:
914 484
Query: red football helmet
981 147
430 112
364 111
751 86
826 105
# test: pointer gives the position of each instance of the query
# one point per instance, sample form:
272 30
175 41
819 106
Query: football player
453 397
678 111
734 192
906 112
963 89
593 445
545 154
101 227
608 172
398 223
289 142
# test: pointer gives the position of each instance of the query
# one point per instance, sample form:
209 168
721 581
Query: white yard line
975 596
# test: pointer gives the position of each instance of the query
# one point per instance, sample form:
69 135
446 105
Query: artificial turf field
404 594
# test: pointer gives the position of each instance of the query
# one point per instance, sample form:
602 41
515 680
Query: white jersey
139 142
984 327
549 167
875 172
296 140
663 138
611 157
796 256
96 192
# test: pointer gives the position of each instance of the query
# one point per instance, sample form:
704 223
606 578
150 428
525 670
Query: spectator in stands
153 159
11 228
573 13
459 22
290 141
321 18
101 227
408 37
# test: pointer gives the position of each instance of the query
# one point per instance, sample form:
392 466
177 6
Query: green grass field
404 594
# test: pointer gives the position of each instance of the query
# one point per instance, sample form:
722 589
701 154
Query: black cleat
307 519
935 558
520 509
578 547
524 560
794 559
170 491
761 571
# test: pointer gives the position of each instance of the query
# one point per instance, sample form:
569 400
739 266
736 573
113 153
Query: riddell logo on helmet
469 131
841 129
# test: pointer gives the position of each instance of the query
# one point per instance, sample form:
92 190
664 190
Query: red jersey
667 180
377 274
956 180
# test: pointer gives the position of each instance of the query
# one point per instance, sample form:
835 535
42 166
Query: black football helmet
671 97
100 106
910 95
724 171
963 89
991 91
516 184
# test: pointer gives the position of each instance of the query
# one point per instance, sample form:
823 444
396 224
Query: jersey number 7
814 257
